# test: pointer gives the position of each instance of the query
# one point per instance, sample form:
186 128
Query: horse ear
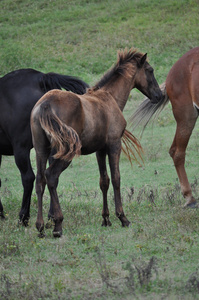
143 59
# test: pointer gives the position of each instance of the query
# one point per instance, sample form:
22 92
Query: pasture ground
157 257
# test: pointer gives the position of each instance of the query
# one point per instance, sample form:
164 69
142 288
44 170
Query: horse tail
131 146
52 81
147 110
63 138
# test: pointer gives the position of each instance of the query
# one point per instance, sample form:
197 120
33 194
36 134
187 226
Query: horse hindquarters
49 132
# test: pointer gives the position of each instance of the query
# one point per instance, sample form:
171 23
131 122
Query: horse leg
104 185
114 156
40 187
177 152
1 205
52 178
22 159
50 213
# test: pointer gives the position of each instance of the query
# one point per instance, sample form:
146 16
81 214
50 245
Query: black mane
51 81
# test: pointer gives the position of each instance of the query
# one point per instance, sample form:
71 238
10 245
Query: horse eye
150 71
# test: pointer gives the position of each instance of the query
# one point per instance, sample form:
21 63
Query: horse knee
179 158
28 180
40 184
51 180
172 151
116 182
104 183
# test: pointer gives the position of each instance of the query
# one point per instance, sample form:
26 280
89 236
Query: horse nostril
159 96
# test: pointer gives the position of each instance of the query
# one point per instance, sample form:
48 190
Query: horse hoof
57 234
40 227
106 222
126 223
50 223
2 216
41 235
191 205
23 222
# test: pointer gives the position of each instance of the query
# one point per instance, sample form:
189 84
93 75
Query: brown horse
182 89
73 125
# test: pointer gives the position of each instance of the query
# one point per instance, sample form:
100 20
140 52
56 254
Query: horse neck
120 89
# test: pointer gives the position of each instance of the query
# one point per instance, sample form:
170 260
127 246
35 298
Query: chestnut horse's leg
114 156
104 185
186 118
52 177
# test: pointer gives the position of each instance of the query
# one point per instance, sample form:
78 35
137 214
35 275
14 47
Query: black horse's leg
104 185
1 205
22 159
52 178
114 156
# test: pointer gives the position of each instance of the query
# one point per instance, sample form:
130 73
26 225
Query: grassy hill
157 257
82 37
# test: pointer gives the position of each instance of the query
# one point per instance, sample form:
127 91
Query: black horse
19 91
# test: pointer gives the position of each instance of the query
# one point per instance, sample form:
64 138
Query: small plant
6 284
140 274
9 248
192 284
104 270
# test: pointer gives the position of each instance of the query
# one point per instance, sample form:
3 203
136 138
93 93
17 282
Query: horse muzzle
156 97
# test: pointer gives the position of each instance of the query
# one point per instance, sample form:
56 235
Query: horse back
19 90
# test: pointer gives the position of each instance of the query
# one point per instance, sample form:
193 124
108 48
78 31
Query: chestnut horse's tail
63 138
131 146
147 110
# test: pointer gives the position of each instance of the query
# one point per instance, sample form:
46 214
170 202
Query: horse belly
95 144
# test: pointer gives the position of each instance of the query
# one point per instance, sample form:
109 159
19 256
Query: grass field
157 257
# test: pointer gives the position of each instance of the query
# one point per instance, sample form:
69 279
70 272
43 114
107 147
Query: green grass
157 257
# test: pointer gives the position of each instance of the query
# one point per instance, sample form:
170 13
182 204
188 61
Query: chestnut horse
182 89
73 125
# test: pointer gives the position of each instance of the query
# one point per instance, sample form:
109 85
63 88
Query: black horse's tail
147 110
52 81
63 138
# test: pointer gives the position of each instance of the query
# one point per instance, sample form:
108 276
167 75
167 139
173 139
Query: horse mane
124 58
52 80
